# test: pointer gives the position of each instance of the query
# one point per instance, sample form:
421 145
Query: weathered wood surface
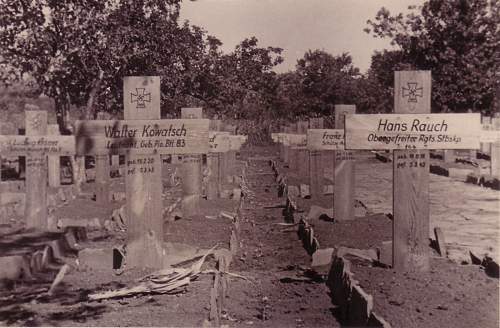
343 194
142 177
36 172
416 131
191 170
188 136
43 144
54 161
192 112
325 139
411 181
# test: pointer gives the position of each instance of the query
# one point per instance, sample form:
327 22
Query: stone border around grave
355 305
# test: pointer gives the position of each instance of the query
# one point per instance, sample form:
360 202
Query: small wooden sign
192 112
218 141
299 140
412 131
278 137
489 134
49 145
188 136
236 141
340 113
325 139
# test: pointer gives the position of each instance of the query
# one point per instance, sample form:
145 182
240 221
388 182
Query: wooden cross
36 145
191 171
411 132
142 137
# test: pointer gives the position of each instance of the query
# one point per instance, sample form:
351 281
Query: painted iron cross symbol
140 97
412 92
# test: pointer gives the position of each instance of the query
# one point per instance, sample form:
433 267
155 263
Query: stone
385 253
360 307
365 254
91 224
315 212
322 260
96 259
328 189
304 191
377 321
440 241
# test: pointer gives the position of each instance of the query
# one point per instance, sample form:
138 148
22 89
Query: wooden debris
162 281
59 277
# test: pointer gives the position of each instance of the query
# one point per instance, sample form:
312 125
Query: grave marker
412 95
344 164
422 131
142 137
54 161
318 141
143 179
102 179
316 171
192 173
490 143
35 146
219 143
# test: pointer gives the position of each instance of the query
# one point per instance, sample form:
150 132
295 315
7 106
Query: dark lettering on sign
344 155
35 162
142 165
416 126
411 160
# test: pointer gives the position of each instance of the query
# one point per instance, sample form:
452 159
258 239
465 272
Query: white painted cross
36 145
142 137
411 132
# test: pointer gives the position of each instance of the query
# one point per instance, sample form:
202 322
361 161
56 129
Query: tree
458 40
320 81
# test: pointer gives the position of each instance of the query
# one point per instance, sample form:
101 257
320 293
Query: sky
335 26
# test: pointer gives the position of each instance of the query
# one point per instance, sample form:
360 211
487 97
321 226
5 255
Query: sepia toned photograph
250 163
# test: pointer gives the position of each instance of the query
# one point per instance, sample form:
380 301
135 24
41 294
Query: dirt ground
279 289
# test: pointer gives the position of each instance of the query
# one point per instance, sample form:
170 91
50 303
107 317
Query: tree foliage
320 81
78 51
457 40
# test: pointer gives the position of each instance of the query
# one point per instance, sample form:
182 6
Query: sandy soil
467 214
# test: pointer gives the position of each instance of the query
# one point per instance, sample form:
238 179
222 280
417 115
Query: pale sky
335 26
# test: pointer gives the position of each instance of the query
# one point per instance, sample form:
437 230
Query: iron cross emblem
140 97
412 92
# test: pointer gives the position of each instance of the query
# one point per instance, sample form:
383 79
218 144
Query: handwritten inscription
218 141
325 139
411 160
143 165
21 145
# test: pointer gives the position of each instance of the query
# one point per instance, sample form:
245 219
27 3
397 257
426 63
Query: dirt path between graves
271 255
